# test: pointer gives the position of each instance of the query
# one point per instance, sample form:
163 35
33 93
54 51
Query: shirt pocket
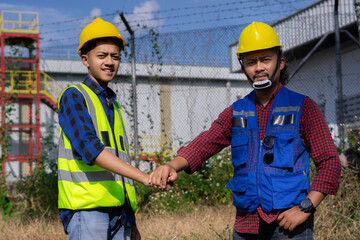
283 150
239 147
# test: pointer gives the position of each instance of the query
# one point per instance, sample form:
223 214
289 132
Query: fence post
133 69
357 11
339 74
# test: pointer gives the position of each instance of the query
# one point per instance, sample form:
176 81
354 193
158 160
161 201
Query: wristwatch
307 206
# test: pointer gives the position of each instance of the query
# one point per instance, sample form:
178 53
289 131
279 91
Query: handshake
163 177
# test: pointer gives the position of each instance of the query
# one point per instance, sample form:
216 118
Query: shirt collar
277 91
98 90
273 95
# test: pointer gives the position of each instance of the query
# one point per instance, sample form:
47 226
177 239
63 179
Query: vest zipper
258 172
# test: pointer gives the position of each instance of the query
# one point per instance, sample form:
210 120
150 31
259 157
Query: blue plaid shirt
77 125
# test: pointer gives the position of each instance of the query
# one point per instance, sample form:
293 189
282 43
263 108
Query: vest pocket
105 138
283 150
289 189
238 186
239 146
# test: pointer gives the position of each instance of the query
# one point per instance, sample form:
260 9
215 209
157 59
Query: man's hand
135 234
292 218
163 177
146 181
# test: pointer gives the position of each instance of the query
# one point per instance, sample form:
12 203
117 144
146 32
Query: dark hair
90 45
284 75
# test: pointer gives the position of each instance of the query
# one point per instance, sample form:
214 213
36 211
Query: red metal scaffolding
21 83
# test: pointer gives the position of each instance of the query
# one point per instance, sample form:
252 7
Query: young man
96 190
272 132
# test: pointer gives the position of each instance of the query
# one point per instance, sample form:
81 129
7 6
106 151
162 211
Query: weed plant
38 193
202 196
338 217
204 187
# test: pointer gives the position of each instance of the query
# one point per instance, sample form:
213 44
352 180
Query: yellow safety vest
84 187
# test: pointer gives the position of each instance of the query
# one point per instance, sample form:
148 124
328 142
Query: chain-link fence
189 80
186 79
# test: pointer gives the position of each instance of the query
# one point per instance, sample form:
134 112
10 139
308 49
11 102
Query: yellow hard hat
99 29
257 36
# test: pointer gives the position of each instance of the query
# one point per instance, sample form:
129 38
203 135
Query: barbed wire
169 25
76 19
174 25
188 15
172 10
179 23
156 19
59 39
146 12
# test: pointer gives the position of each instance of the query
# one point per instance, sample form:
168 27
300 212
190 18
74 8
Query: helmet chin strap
264 83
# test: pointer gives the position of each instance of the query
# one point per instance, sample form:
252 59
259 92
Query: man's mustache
261 75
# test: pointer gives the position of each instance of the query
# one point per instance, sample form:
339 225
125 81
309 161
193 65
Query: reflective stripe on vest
282 183
241 121
82 186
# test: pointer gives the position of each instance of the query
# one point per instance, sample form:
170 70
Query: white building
177 102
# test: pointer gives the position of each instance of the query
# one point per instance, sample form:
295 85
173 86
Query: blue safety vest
285 182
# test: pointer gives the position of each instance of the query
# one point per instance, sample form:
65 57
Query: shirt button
264 110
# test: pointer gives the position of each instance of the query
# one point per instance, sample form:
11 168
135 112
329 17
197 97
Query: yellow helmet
257 36
99 29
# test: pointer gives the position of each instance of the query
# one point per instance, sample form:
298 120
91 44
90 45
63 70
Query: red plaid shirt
313 131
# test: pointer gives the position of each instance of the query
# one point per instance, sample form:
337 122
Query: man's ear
84 59
282 63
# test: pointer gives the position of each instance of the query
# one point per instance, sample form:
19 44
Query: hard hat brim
94 39
255 50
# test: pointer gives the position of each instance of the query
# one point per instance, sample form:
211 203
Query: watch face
307 206
306 203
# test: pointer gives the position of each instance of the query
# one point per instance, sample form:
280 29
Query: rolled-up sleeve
209 142
317 137
77 125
